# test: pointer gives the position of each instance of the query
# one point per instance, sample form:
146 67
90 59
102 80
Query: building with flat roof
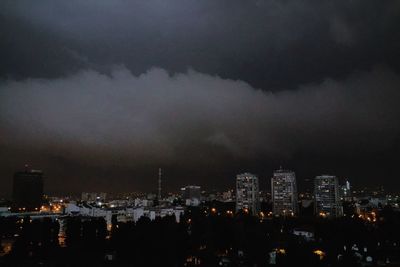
247 193
27 194
284 193
327 197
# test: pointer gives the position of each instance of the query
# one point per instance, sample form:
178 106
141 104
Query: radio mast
159 183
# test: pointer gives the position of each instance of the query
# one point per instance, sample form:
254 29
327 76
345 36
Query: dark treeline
204 236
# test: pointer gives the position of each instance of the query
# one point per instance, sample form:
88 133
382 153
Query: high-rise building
284 193
191 194
345 191
247 193
27 192
327 200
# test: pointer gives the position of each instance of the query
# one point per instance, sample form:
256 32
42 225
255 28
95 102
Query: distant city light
320 253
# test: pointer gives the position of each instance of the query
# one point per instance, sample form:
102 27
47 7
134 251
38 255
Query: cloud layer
92 89
164 118
270 44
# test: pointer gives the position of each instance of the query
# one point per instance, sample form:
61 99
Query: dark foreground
204 238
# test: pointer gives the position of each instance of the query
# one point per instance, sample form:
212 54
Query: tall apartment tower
247 193
284 193
327 198
27 192
345 191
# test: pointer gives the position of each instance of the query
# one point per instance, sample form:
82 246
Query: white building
123 214
306 234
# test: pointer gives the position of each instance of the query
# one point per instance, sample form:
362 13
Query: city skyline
278 224
265 184
330 198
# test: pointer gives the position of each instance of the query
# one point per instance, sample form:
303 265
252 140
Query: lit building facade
284 193
345 191
247 193
327 199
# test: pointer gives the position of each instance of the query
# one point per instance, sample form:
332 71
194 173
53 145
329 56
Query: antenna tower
159 183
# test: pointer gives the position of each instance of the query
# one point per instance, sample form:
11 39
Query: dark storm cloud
97 91
269 44
98 118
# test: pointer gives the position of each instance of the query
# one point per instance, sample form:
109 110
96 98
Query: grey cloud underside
91 131
164 118
270 44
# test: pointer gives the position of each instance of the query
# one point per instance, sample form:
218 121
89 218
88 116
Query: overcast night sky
99 94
